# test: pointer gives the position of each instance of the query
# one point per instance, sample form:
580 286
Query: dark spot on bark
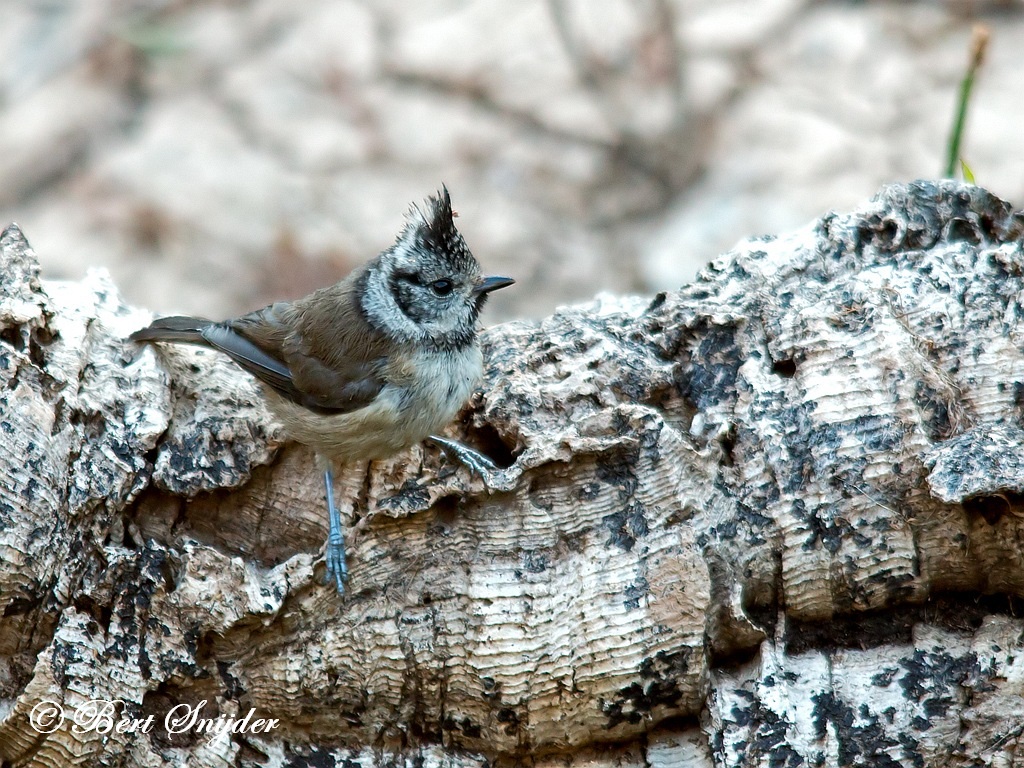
878 232
992 508
192 458
786 368
884 678
726 530
618 469
861 741
446 513
627 526
490 443
588 492
800 439
769 737
856 630
411 497
822 531
465 726
647 434
658 300
739 271
39 340
658 687
471 729
313 757
232 685
935 409
635 383
878 432
901 587
100 613
508 716
13 337
696 292
727 441
713 368
635 593
934 679
134 585
535 562
19 606
962 230
952 611
63 656
911 748
623 710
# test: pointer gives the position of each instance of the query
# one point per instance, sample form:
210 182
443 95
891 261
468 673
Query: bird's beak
489 284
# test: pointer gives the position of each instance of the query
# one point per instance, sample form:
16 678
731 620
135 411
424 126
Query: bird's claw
334 559
334 551
471 459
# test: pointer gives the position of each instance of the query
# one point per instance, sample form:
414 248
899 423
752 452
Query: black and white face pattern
426 287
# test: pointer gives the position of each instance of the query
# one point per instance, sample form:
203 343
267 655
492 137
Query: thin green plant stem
979 42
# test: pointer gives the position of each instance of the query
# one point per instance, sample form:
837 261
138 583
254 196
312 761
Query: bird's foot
334 559
471 459
334 551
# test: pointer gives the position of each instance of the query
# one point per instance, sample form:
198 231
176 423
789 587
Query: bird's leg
334 554
472 460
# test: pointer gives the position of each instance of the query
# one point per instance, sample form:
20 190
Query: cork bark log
774 518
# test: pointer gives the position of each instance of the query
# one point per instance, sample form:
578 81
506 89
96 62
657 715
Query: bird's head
427 287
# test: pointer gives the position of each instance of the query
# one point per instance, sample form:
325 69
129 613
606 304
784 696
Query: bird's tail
184 330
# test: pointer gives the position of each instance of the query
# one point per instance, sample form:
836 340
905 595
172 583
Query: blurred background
216 155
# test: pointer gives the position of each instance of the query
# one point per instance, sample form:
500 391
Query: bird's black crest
439 223
434 227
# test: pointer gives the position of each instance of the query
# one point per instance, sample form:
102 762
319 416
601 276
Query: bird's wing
273 345
340 387
262 364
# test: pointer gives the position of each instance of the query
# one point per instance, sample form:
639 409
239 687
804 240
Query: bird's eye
442 287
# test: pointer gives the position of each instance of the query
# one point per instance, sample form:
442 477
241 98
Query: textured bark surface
773 518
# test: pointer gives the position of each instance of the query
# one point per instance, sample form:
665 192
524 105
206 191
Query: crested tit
371 365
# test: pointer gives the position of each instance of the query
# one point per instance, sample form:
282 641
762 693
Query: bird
372 365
